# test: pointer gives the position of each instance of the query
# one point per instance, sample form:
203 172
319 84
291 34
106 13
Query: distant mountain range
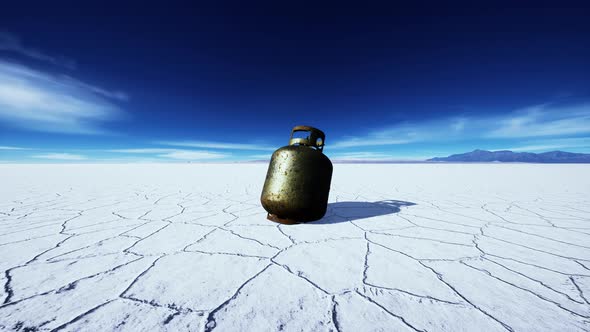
521 157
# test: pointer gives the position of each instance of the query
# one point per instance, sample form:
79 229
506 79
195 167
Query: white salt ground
186 247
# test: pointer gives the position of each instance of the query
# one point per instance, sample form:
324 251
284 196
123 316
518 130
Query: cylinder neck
315 137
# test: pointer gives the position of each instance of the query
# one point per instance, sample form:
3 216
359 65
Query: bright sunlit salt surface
402 248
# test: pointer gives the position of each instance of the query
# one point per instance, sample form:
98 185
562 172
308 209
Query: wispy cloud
362 156
116 95
12 148
193 155
371 140
265 156
374 156
552 144
60 156
12 43
539 121
178 154
43 102
530 148
458 124
544 120
401 134
143 150
218 145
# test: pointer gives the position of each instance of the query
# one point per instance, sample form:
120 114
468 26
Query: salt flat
186 247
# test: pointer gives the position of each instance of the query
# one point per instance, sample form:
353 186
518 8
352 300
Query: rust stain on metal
298 180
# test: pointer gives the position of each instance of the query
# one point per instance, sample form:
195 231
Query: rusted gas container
298 180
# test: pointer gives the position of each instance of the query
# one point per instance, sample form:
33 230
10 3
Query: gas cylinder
298 179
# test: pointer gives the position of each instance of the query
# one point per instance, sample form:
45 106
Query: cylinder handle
316 138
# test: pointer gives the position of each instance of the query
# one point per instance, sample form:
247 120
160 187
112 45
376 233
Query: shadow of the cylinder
360 210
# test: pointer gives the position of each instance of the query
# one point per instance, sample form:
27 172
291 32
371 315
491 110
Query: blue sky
227 81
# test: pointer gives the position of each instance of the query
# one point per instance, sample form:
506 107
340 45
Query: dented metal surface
298 180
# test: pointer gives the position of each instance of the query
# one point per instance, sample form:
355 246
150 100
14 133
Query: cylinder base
286 221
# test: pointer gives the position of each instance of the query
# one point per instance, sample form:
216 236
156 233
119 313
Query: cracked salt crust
188 248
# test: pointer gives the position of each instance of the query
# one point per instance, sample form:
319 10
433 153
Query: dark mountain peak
479 155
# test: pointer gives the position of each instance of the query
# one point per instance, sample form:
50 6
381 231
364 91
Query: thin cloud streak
260 156
179 154
12 43
117 95
529 148
396 135
13 148
60 156
544 120
374 156
143 150
193 155
38 101
362 156
555 144
217 145
533 122
369 141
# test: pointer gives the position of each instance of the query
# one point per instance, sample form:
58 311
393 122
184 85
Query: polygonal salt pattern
402 247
